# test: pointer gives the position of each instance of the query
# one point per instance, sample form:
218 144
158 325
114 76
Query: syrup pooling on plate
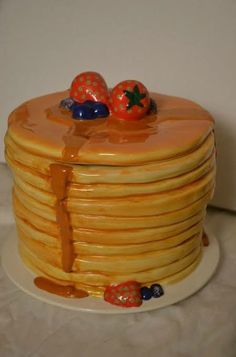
68 291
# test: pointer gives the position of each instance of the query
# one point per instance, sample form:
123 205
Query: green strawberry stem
134 97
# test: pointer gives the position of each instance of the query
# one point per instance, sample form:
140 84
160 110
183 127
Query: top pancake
44 129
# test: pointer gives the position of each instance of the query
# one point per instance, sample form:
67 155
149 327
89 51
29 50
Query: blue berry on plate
67 103
83 111
157 290
101 110
146 293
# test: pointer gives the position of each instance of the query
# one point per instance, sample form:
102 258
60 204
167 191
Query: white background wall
180 47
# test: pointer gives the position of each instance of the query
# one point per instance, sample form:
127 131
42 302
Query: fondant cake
110 187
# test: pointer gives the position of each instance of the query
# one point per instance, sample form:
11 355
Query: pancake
107 201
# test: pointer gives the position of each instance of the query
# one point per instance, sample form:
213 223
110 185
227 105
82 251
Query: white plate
23 278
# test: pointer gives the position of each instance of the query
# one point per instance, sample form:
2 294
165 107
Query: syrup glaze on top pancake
44 128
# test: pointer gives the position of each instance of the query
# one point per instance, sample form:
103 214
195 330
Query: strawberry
89 86
125 294
130 100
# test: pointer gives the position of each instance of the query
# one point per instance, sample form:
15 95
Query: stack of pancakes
134 195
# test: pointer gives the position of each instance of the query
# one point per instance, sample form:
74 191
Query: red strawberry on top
125 294
89 86
130 100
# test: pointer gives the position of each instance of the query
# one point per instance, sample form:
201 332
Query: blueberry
90 103
67 103
74 105
152 106
146 293
157 290
100 109
83 111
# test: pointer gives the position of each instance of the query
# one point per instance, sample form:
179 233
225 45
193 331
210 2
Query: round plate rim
23 278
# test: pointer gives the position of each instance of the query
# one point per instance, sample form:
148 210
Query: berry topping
134 97
146 293
152 107
89 86
67 103
83 111
130 100
126 294
157 290
89 103
89 110
101 110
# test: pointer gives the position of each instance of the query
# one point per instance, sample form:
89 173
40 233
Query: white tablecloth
202 325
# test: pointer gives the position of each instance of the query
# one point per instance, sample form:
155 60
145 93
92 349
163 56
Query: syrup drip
68 291
205 239
75 137
60 176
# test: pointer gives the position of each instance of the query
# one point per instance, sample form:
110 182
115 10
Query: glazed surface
106 201
43 128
